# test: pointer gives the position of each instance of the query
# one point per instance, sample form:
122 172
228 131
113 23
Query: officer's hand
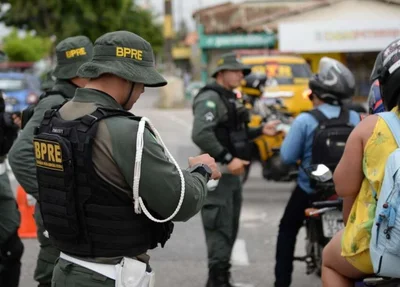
237 165
207 160
269 128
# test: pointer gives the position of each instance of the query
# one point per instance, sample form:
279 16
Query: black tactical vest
84 215
232 134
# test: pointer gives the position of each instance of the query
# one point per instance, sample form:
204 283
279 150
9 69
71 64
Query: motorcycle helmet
386 71
253 84
333 83
375 104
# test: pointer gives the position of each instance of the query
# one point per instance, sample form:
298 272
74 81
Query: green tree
82 17
25 49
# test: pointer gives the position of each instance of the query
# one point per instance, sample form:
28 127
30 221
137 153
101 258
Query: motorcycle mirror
319 172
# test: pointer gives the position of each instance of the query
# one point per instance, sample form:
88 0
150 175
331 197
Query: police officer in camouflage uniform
85 157
220 129
11 247
71 53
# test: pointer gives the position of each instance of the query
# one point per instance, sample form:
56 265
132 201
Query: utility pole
168 36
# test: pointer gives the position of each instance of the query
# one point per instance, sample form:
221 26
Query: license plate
332 222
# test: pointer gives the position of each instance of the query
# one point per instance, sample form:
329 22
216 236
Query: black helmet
377 67
253 84
386 70
333 83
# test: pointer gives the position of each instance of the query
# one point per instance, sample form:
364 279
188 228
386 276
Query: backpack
385 233
27 113
330 138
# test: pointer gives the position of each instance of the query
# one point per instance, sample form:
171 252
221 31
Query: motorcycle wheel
313 247
318 258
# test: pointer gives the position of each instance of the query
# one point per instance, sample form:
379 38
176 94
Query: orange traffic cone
26 206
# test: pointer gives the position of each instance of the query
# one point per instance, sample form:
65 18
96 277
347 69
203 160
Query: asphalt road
183 260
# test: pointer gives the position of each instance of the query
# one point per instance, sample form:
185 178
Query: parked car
20 89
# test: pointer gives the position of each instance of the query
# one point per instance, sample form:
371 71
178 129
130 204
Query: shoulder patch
209 117
210 104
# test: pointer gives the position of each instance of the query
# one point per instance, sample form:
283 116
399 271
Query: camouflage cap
230 62
125 55
71 53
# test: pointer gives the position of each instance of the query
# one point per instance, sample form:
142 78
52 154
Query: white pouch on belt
132 273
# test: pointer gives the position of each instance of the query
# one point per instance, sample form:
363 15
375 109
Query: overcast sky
184 8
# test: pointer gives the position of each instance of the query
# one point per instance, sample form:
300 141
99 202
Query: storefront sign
232 41
337 36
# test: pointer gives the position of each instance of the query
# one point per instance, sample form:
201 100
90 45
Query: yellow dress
357 233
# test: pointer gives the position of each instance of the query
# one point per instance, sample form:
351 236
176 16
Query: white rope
138 202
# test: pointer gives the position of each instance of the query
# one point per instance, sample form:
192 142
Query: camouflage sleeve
21 156
160 183
208 110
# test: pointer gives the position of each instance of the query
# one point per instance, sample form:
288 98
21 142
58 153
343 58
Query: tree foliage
25 49
91 18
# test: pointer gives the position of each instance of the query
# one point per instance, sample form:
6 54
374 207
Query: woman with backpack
358 179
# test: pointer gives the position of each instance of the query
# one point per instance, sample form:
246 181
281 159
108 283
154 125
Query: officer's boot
219 276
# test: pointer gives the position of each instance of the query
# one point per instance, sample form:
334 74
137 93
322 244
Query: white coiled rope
138 202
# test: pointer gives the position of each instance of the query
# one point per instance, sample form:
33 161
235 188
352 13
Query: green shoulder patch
210 104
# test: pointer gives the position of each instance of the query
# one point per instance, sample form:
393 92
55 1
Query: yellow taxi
287 79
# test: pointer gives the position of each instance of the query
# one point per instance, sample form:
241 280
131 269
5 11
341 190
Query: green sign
234 41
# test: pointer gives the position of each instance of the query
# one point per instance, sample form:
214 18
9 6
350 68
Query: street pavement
183 260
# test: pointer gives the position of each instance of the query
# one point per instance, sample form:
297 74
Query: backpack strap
318 115
344 115
87 121
393 123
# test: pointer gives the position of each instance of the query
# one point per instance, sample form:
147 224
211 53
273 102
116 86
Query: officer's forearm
254 132
24 170
22 161
195 195
163 195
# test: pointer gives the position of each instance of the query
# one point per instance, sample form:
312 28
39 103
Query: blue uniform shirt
298 142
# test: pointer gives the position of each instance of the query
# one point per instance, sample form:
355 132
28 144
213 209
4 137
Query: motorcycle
323 220
265 149
264 108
